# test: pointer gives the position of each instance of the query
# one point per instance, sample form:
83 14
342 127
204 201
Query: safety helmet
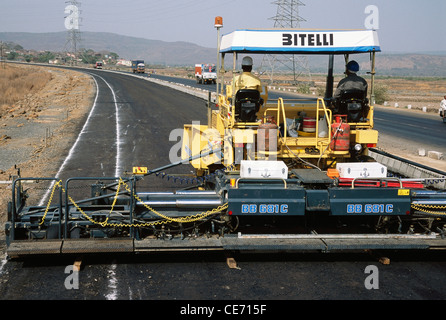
247 61
353 66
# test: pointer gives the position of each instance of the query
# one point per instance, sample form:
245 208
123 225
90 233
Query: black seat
247 104
352 103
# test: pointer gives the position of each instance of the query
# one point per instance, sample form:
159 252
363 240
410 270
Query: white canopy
299 41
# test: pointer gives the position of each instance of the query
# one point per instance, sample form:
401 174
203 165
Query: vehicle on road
138 66
205 73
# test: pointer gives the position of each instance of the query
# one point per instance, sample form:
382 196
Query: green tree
45 57
12 55
29 58
88 56
114 55
381 93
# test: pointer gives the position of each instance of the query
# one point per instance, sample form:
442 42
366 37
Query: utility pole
287 17
72 24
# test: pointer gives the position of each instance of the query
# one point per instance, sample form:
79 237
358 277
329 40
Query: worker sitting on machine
247 80
247 88
350 97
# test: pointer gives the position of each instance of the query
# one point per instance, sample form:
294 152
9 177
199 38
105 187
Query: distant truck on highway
138 66
205 73
98 65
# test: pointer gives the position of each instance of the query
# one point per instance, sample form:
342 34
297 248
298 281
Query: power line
72 24
287 17
287 14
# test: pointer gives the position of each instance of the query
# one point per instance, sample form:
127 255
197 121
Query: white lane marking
71 152
2 264
112 283
84 129
119 142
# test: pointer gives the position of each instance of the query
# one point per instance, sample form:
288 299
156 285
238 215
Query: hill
152 51
186 53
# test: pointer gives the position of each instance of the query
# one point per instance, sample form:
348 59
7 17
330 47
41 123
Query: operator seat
352 103
247 104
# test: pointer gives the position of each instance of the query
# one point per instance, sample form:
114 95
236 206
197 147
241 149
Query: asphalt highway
421 130
130 125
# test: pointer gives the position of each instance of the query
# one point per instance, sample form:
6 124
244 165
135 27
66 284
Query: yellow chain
187 219
57 184
105 223
421 207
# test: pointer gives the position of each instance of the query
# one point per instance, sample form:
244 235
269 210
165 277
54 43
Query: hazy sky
404 25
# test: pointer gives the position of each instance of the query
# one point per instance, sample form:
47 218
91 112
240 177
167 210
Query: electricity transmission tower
72 24
287 17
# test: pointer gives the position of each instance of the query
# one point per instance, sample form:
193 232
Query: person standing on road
443 107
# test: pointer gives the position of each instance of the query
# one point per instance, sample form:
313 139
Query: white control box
361 170
263 169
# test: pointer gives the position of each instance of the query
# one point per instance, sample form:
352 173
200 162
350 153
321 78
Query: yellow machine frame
308 149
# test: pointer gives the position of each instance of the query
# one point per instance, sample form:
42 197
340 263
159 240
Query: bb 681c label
377 208
264 208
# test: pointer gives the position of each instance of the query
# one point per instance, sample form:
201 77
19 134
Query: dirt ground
416 93
37 132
